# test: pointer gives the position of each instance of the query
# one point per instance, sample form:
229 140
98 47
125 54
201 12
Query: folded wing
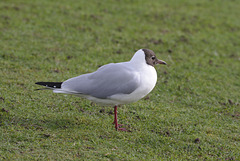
108 80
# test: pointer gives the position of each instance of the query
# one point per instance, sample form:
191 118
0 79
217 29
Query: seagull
115 83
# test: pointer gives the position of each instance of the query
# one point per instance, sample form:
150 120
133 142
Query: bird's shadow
39 124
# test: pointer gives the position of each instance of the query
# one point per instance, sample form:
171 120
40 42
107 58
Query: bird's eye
153 57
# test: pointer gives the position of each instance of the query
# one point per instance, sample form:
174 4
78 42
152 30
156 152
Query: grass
192 114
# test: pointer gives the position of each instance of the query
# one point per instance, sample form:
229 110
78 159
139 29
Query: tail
50 85
56 87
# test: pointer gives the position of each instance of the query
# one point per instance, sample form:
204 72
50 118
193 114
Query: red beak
161 62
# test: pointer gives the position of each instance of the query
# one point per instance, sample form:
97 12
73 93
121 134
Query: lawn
193 113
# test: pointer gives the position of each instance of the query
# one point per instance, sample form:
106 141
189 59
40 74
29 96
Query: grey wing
106 81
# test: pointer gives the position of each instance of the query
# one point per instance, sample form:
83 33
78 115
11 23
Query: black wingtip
50 84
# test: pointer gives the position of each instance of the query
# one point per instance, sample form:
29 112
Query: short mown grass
193 113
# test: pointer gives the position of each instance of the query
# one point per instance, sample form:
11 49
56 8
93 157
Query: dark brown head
151 58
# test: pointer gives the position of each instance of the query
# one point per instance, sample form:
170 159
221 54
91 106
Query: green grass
192 114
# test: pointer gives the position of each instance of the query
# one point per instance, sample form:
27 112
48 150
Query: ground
193 113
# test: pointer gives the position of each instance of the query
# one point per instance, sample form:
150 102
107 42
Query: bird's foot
122 129
118 125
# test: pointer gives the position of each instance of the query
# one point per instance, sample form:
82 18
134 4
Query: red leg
116 122
115 117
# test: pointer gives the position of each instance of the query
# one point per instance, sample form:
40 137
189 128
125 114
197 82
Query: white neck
138 58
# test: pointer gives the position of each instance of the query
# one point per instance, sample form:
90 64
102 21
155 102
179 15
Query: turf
193 113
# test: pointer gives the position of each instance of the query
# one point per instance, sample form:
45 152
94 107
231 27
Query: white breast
148 76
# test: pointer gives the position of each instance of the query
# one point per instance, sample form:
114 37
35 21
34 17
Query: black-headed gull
114 83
